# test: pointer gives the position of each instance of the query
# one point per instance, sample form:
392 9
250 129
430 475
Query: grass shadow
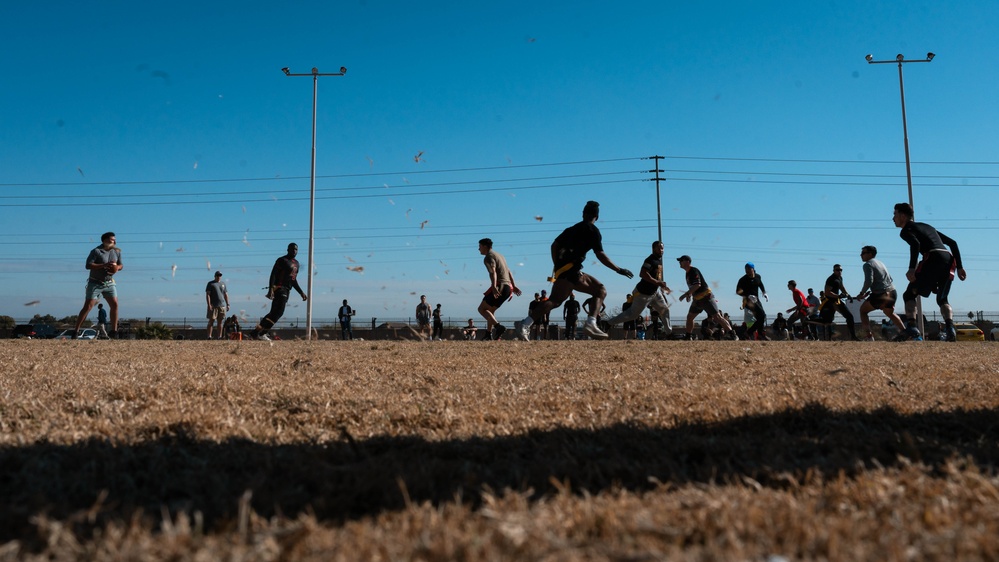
350 479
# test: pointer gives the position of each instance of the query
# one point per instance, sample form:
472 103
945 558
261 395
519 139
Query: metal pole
315 74
905 136
908 166
908 179
312 207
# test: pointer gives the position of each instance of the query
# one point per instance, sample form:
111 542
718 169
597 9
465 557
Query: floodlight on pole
315 74
900 60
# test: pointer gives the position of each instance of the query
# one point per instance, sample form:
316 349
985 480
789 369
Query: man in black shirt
935 272
568 253
832 302
649 291
570 313
701 300
749 287
284 278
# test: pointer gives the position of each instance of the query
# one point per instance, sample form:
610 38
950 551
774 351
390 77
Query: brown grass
502 450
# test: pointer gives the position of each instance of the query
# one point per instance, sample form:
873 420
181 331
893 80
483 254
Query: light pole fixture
900 59
315 74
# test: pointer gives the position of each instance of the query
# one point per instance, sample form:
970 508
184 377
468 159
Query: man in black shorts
501 287
568 254
832 302
749 287
570 313
701 300
879 290
934 274
284 278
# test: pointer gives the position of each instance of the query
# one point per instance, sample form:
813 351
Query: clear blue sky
173 126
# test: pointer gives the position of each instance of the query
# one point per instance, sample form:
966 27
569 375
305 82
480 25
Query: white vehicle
85 334
994 334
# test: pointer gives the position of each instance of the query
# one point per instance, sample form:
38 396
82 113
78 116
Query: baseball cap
218 274
684 258
750 264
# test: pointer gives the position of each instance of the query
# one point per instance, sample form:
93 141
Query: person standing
701 300
501 287
649 291
813 311
345 314
799 311
545 320
568 254
749 288
879 291
284 278
102 262
102 322
217 299
423 313
438 333
933 275
570 313
832 302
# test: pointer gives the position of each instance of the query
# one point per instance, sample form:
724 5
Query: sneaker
870 337
910 333
523 333
498 331
262 337
951 333
591 329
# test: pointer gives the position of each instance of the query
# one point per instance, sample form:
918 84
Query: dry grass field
499 451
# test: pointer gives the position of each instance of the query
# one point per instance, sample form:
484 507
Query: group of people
934 258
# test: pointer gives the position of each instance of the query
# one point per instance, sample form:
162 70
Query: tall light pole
315 74
900 59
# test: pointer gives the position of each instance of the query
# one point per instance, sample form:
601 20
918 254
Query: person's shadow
90 482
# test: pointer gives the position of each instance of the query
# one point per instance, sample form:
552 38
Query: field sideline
383 450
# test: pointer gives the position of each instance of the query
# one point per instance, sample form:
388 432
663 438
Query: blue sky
173 126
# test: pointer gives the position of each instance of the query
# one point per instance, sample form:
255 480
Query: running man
102 262
568 254
935 272
749 287
832 302
649 291
501 287
878 290
284 278
799 311
701 300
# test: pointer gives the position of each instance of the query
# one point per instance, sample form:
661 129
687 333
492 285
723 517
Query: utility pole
657 179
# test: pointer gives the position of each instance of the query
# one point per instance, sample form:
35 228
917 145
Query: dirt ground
499 450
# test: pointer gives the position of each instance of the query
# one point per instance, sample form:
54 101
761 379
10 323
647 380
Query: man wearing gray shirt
217 299
103 262
879 291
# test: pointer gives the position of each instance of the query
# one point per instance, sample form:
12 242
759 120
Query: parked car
34 331
85 334
969 332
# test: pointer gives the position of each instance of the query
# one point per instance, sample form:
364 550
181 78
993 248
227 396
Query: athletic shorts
216 313
882 300
97 288
494 301
708 304
934 274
